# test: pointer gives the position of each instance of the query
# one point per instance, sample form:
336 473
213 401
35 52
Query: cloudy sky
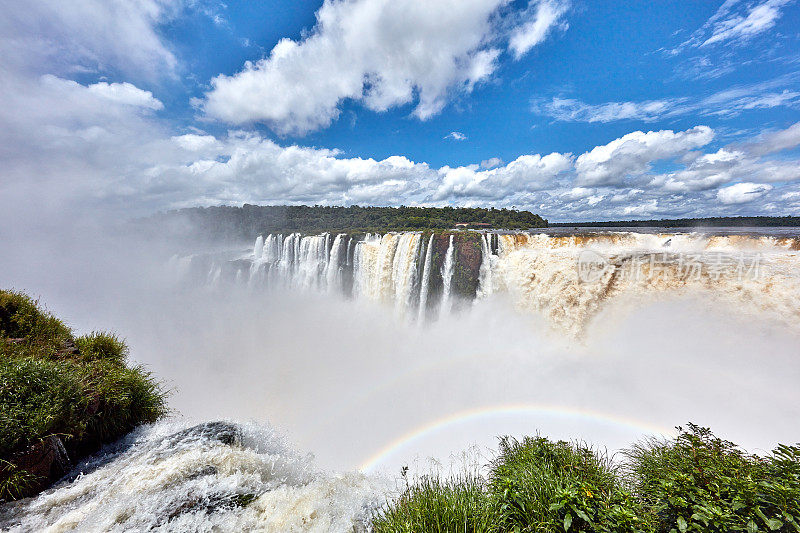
574 109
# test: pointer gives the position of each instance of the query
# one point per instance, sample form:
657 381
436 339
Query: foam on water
211 477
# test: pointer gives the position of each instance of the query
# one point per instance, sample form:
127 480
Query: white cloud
53 36
524 174
740 27
735 22
776 141
456 136
578 193
492 162
548 15
126 93
632 154
730 102
195 143
742 193
382 54
571 110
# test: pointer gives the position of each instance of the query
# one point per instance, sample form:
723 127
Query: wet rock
467 267
45 462
212 503
224 432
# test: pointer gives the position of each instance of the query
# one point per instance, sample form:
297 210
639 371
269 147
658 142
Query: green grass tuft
99 346
27 326
559 486
434 505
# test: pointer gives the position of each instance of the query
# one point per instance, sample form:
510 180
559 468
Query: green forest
249 221
711 222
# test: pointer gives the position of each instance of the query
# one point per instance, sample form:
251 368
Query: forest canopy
249 221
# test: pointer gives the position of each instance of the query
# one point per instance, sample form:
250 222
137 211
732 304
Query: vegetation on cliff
693 483
249 221
709 222
61 396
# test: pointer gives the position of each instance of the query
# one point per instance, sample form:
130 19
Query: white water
447 278
426 278
171 478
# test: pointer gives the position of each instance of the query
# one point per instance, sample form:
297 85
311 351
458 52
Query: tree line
249 220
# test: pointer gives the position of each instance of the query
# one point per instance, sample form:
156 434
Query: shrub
699 482
558 486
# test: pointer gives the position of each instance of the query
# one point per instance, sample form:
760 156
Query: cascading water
447 278
211 477
540 272
485 280
336 262
426 279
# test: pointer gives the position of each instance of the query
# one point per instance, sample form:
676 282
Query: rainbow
514 409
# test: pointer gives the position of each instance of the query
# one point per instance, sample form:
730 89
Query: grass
51 383
435 505
696 482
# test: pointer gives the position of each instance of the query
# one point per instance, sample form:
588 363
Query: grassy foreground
693 483
61 396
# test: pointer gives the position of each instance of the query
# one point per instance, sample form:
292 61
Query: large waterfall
565 278
623 333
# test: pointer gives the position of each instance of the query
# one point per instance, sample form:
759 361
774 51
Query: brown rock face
467 264
47 461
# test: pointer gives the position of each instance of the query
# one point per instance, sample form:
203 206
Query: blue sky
574 109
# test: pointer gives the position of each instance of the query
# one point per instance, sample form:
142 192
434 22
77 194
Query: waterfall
333 273
447 278
485 287
404 270
426 278
539 273
258 248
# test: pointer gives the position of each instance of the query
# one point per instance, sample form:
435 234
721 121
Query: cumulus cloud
524 174
125 93
382 54
492 162
632 154
73 148
742 193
